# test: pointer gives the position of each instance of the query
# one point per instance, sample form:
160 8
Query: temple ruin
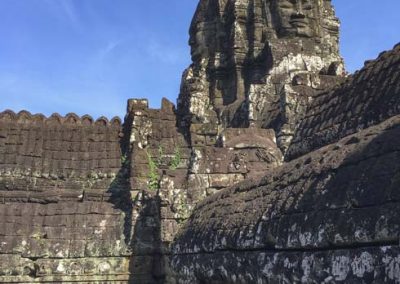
275 166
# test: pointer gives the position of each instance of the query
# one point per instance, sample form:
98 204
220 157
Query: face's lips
299 22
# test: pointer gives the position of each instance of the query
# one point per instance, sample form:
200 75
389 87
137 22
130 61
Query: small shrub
176 159
154 165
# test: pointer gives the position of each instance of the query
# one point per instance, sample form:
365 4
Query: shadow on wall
351 212
142 224
363 187
147 261
336 210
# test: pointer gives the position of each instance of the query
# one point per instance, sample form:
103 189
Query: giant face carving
197 44
199 41
295 17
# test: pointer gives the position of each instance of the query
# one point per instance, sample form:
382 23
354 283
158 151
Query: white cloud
70 11
108 49
67 10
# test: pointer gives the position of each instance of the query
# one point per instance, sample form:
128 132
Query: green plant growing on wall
154 166
176 159
153 173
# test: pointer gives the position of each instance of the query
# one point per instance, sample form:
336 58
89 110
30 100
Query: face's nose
299 7
298 10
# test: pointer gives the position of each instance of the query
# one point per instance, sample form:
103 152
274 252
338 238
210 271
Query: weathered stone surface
59 221
216 191
339 202
64 152
353 265
259 63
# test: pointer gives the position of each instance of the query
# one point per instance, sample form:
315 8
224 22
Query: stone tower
258 63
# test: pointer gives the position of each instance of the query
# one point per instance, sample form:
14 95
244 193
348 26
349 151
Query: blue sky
90 56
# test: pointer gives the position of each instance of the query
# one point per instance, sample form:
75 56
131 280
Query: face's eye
285 4
307 5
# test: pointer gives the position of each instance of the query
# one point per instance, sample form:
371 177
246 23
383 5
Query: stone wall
329 216
96 190
63 215
63 149
159 157
173 167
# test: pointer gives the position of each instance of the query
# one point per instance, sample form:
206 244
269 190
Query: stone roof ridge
366 98
25 116
369 63
381 56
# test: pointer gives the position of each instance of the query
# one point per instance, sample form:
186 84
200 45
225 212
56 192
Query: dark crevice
355 246
69 258
339 208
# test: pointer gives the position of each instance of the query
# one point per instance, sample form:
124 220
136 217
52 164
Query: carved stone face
198 42
295 17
